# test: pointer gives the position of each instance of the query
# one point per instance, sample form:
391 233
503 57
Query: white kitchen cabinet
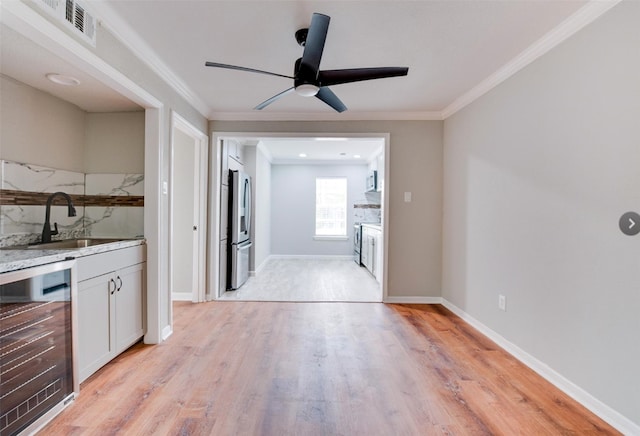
110 306
380 169
371 250
378 256
235 150
365 254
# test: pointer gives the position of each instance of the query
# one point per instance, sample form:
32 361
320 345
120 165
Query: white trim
326 116
166 332
412 300
330 238
611 416
262 266
181 296
141 50
215 186
158 294
585 15
311 257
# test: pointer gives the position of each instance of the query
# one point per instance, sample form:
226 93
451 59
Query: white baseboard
413 300
166 332
181 296
611 416
311 256
261 266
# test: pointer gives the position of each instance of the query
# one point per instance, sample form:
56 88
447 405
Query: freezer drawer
239 264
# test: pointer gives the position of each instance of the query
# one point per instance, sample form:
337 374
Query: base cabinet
371 251
110 313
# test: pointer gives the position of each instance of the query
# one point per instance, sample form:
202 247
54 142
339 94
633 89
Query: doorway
283 187
188 206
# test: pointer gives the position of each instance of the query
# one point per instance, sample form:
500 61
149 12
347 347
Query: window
331 206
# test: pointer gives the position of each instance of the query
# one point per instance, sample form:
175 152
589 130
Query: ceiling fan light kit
308 79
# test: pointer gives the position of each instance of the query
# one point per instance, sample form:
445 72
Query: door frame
213 267
200 170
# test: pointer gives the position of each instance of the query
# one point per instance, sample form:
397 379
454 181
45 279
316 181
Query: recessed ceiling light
356 156
62 79
302 155
343 154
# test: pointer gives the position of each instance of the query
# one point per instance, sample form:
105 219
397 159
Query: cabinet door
129 306
224 155
364 254
378 256
96 341
380 165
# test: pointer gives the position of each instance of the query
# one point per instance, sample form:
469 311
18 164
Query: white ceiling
318 150
449 47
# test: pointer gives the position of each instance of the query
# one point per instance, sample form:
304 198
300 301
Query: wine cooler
38 375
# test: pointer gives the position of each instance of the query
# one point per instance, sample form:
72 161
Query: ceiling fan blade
337 77
266 103
250 70
314 46
327 95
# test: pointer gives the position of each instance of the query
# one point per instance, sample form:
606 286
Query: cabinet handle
120 285
112 290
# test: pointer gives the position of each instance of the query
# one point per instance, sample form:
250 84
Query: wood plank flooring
320 369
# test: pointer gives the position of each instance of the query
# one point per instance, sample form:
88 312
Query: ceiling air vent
74 15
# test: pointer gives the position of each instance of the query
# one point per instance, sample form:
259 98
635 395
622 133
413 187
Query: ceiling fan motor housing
304 85
301 36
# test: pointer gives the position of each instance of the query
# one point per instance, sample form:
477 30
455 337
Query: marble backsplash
20 224
368 209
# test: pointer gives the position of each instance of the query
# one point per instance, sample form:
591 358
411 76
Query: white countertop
12 260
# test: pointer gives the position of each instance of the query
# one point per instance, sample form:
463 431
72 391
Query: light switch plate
407 197
165 188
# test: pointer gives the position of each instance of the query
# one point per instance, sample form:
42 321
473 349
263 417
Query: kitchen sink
71 244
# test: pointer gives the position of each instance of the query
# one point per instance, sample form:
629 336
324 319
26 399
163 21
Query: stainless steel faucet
46 230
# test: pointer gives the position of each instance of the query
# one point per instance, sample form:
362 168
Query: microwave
372 181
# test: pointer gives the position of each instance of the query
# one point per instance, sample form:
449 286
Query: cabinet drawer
102 263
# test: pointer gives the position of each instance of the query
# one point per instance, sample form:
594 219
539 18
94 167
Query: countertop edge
13 260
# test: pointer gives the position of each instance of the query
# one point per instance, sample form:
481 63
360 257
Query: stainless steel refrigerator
239 228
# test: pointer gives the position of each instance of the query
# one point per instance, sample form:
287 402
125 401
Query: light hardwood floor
320 369
309 280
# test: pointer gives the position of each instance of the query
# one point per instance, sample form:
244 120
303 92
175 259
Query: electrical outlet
502 303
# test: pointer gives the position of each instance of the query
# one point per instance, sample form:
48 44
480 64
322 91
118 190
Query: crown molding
325 116
584 16
112 22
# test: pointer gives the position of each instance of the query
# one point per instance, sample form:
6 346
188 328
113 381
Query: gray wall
536 175
114 142
262 210
41 129
293 208
415 229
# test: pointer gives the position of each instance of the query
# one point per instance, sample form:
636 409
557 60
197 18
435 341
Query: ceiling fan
308 79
